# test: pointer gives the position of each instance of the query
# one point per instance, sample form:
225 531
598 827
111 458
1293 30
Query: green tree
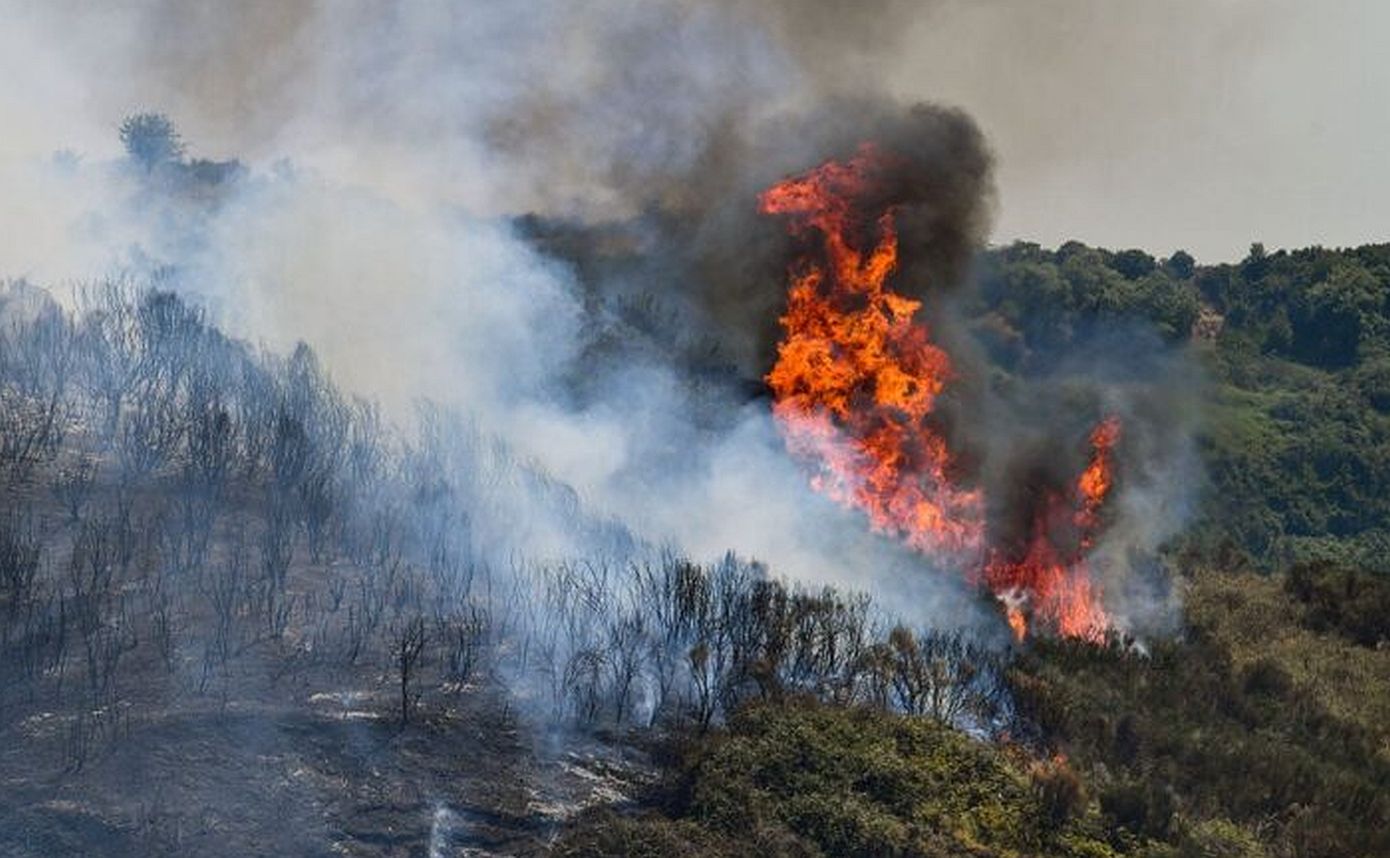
1181 264
150 139
1133 263
1332 317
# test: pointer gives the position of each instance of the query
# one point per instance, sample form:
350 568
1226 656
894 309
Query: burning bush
857 382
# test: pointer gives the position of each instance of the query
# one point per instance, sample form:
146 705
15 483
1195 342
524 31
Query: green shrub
1218 838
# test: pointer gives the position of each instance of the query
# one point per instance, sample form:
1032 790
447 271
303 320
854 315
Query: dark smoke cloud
711 254
697 107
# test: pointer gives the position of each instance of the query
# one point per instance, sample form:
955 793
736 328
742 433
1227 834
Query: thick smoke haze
542 216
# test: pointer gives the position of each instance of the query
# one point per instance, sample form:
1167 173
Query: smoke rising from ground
543 217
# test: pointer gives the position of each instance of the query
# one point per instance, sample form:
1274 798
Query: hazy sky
1202 124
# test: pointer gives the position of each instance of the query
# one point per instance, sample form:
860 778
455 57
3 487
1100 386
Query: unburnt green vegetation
1296 344
1253 735
1261 728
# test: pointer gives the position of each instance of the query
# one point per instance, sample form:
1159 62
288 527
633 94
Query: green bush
1188 735
804 778
1218 838
1297 444
1346 600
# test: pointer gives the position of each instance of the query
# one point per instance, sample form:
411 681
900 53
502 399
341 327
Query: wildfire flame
855 387
1055 583
857 375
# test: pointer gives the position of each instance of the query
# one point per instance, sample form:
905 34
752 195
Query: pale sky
1163 124
1201 124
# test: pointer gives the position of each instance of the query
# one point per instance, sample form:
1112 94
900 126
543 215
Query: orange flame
1057 583
855 386
857 376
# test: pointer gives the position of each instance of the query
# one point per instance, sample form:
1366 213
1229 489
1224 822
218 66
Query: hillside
784 429
291 627
1296 348
227 580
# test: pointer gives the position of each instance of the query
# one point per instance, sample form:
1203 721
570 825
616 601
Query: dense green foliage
1297 347
1253 736
1343 599
1037 300
1244 724
806 779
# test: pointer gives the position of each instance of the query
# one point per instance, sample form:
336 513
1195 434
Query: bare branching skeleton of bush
19 560
72 485
462 636
164 628
408 639
202 425
210 440
698 641
222 588
941 675
36 362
